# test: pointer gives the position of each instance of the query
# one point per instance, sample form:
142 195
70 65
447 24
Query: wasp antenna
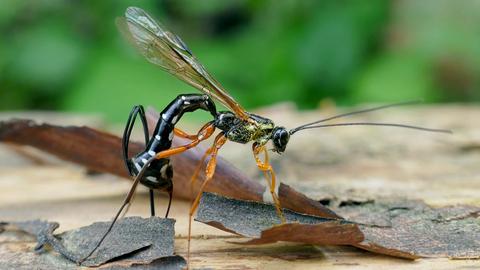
376 124
405 103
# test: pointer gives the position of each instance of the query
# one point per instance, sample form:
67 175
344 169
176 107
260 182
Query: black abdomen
159 174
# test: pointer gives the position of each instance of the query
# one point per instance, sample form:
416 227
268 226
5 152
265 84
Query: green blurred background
69 56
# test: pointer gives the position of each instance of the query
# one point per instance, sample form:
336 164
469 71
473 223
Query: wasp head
280 137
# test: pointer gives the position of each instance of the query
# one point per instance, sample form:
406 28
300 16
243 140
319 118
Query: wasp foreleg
269 176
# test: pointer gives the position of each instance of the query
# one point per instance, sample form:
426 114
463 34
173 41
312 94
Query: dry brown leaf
100 151
326 233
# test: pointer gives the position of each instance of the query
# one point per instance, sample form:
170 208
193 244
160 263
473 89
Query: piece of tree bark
135 241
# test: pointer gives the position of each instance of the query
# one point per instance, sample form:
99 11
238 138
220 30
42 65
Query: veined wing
165 49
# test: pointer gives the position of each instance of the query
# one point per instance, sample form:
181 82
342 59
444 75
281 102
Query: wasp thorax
280 137
225 120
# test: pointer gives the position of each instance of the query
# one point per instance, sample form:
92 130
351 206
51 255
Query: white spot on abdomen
151 178
163 171
174 119
137 166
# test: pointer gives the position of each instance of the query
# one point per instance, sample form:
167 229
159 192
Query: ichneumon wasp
152 167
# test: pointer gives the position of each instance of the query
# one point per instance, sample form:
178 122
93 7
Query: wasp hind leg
137 111
205 132
182 134
170 195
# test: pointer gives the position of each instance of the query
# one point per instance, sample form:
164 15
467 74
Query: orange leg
269 176
183 134
198 169
220 140
203 134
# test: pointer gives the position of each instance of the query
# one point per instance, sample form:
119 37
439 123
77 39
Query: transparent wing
168 51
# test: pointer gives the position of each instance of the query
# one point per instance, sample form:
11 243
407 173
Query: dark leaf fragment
410 229
260 220
41 229
134 240
153 236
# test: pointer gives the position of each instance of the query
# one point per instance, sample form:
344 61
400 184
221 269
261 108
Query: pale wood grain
357 163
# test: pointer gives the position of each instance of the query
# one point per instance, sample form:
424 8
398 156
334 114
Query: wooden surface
340 164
